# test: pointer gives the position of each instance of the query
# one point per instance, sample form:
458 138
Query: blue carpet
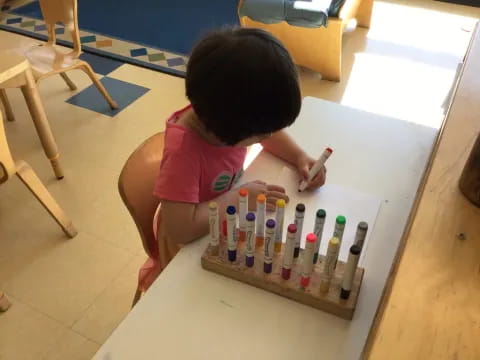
172 25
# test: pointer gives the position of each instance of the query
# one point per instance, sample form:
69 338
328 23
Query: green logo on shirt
222 182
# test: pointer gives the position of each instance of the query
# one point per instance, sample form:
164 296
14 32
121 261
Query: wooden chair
319 49
47 60
15 71
8 168
135 185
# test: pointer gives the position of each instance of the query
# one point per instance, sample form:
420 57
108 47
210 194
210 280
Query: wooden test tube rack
273 282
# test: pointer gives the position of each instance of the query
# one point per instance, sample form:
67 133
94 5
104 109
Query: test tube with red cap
289 248
308 259
269 246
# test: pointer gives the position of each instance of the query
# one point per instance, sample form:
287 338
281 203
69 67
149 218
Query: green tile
88 39
156 57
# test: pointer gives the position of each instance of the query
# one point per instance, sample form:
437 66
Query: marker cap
311 238
280 203
267 268
232 255
249 261
292 228
212 205
304 281
270 223
341 220
286 273
355 249
330 150
261 198
344 294
243 192
250 216
231 210
300 208
321 213
363 225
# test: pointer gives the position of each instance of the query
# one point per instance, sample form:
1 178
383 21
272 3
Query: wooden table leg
35 106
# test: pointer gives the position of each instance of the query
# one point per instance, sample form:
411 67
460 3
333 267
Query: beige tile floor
69 295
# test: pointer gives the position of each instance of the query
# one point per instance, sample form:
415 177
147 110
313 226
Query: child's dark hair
242 83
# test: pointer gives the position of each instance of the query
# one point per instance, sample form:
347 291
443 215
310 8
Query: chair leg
33 183
138 295
6 105
89 71
364 13
68 81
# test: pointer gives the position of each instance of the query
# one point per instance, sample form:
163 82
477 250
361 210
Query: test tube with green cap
340 222
318 230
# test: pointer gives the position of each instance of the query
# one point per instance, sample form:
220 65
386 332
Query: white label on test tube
242 209
307 265
250 246
299 215
279 218
350 270
213 221
269 246
260 214
231 233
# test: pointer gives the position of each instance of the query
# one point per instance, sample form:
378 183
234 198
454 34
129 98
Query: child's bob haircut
242 83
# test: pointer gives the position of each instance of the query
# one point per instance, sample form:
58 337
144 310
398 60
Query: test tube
350 270
308 260
279 218
289 247
214 227
250 246
269 246
261 201
242 213
231 233
299 215
361 233
318 231
329 265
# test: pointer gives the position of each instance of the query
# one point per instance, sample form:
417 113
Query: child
243 89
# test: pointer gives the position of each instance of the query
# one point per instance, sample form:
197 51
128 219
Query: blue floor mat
172 25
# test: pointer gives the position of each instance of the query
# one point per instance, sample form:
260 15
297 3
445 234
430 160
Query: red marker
308 260
316 168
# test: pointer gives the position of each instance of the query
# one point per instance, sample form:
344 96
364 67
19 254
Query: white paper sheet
335 200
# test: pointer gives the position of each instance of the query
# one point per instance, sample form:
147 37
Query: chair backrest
63 11
7 165
135 185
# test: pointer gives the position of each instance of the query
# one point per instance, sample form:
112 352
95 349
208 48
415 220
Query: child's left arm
282 145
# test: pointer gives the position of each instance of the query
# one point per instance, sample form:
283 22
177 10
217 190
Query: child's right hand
271 192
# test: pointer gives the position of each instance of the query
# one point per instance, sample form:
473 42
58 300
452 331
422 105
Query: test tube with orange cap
260 231
242 213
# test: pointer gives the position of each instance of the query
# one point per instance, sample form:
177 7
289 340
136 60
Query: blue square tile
88 39
122 92
100 64
14 21
42 27
175 62
138 52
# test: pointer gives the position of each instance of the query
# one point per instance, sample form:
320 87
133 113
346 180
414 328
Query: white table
190 313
